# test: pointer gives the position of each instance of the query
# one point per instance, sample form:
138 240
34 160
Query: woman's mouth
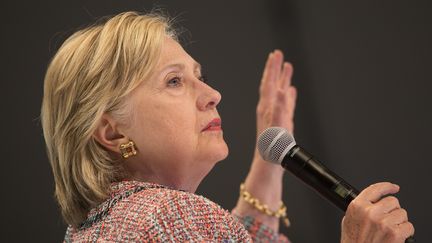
213 125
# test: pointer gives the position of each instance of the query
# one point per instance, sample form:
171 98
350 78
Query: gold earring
128 149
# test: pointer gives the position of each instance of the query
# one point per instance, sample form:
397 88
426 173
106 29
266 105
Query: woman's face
175 124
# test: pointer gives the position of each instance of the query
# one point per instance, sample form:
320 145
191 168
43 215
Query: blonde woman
132 128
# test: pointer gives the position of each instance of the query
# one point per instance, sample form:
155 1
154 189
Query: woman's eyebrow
181 66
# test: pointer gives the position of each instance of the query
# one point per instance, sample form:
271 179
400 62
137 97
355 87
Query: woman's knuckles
374 215
402 214
390 202
395 233
355 206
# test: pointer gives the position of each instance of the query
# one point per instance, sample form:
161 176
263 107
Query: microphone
277 145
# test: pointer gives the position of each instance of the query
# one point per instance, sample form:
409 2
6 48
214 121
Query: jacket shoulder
173 215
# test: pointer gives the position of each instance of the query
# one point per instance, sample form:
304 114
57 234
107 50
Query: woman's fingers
396 217
406 230
267 87
376 217
277 65
277 96
267 69
292 99
376 191
285 79
277 74
396 232
388 204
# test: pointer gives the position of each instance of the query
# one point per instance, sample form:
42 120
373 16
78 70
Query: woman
132 128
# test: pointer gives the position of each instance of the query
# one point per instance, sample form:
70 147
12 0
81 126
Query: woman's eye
174 82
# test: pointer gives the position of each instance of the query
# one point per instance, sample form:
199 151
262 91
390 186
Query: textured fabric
145 212
260 232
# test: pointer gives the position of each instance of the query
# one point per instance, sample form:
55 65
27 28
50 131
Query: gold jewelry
263 208
128 149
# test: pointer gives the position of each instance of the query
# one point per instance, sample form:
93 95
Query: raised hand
275 108
277 96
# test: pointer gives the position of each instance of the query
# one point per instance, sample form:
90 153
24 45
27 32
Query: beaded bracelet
263 208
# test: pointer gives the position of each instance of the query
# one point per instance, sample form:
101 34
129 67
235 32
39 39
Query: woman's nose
209 98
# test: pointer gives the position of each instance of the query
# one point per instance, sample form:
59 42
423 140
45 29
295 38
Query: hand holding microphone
370 215
375 217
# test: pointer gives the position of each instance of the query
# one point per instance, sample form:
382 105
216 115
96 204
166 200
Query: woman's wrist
267 170
264 182
256 203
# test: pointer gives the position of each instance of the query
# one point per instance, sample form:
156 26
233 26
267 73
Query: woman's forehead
174 56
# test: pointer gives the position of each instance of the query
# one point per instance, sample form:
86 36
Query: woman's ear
108 135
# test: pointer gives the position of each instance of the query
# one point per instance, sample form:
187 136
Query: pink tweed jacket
145 212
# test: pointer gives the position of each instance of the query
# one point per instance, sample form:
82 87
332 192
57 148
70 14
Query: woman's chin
217 152
222 152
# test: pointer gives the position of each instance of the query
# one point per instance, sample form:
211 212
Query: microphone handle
329 185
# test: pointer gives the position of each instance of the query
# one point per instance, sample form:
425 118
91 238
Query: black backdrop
362 68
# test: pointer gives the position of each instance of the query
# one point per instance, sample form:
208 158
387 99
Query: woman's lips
213 125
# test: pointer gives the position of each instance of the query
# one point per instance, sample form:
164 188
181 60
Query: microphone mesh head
274 143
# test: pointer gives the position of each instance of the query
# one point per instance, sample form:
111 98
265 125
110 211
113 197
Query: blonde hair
90 75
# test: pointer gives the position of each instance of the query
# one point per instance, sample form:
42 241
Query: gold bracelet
263 208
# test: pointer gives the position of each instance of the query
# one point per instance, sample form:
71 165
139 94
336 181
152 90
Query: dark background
362 68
